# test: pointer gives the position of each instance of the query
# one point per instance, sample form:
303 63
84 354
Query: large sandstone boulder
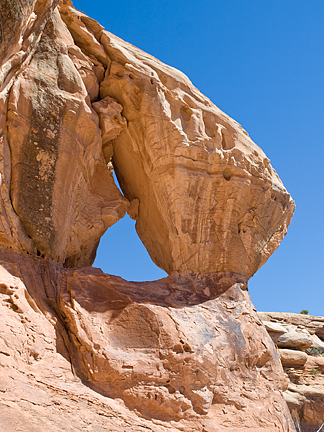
272 327
294 339
187 352
292 358
209 165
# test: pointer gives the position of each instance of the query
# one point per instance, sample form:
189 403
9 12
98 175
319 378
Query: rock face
162 349
187 352
55 179
210 167
304 364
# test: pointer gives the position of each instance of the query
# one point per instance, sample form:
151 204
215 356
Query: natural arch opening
121 253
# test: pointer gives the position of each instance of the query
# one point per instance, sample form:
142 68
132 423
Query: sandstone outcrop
163 350
292 358
58 195
304 365
187 352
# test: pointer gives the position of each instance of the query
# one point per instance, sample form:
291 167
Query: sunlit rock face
187 352
59 184
209 200
302 358
167 355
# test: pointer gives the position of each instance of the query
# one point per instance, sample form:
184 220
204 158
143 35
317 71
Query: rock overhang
208 206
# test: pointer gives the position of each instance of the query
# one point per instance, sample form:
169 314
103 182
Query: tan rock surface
305 394
186 353
309 322
157 348
168 129
317 344
300 339
54 168
292 358
274 327
209 165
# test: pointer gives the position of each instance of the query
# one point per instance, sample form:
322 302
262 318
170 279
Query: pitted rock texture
220 206
186 353
179 359
219 196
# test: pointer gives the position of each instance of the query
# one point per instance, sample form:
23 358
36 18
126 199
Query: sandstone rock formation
187 352
303 364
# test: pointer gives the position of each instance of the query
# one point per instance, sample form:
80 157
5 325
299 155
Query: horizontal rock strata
303 363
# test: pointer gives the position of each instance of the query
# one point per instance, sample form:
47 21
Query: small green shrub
315 372
315 351
304 312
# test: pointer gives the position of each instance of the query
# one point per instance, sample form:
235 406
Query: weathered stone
292 358
310 322
274 327
317 345
295 402
305 396
315 363
111 123
90 71
187 352
60 188
293 339
312 413
210 169
179 357
319 331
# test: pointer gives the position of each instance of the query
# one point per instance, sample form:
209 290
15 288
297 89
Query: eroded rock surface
187 352
210 168
303 364
54 175
180 359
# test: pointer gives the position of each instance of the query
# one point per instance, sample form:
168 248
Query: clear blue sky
262 63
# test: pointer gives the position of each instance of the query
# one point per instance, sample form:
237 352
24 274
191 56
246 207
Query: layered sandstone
187 352
303 363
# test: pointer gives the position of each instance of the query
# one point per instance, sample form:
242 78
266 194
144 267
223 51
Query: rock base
187 354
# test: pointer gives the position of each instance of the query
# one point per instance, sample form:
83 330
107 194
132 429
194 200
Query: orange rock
305 395
178 358
187 352
219 196
60 187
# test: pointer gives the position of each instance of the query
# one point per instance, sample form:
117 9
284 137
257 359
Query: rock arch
209 208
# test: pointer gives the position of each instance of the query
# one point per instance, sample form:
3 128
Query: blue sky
262 63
